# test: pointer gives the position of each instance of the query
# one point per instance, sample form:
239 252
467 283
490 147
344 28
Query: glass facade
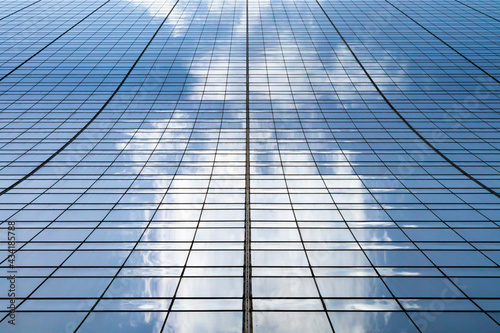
250 166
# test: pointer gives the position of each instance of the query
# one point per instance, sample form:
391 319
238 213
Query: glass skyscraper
186 166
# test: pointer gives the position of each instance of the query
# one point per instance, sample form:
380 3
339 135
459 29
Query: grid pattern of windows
250 166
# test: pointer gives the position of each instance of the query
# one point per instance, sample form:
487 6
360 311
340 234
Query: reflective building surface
186 166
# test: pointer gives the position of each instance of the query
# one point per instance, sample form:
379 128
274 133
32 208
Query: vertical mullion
247 269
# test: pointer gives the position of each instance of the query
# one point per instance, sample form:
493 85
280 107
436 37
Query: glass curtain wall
250 166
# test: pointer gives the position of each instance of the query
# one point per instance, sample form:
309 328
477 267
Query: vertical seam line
247 269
